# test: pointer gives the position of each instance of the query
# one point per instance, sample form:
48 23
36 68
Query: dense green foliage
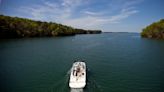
155 30
21 27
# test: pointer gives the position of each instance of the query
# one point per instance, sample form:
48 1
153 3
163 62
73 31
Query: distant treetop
155 30
12 27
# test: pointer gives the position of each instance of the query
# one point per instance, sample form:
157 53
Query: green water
117 62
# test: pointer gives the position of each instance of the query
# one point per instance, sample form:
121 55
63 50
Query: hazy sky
107 15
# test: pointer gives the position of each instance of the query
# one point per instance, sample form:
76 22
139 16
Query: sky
105 15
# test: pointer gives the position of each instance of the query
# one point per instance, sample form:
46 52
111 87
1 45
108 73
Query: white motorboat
78 75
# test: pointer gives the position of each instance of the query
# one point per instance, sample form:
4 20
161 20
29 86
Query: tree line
11 27
155 30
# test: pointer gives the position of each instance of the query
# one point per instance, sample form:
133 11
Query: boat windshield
78 70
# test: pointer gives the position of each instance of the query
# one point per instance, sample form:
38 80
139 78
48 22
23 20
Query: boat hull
78 79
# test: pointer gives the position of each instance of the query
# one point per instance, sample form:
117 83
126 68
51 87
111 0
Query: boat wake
76 90
61 85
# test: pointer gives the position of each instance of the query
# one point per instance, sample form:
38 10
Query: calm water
117 62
